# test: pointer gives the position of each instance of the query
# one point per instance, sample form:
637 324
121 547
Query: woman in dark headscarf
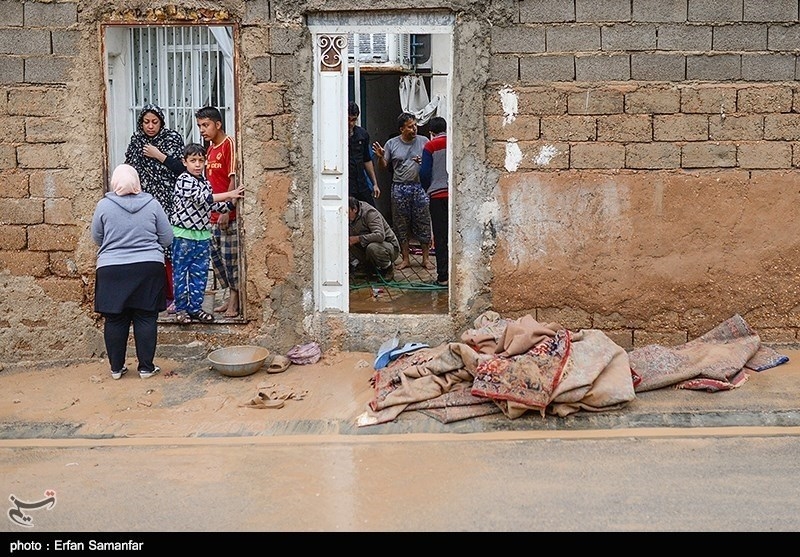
156 178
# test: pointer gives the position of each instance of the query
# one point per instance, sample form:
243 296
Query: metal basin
238 361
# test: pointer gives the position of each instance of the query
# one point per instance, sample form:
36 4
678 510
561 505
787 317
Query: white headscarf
125 180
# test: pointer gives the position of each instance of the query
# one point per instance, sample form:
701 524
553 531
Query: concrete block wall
37 48
46 154
640 125
52 170
644 40
603 103
644 183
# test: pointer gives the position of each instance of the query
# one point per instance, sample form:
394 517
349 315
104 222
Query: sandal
183 317
202 316
263 401
279 364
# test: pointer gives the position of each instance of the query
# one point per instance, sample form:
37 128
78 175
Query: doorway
378 55
177 68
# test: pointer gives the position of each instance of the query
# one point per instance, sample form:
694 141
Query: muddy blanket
519 365
719 360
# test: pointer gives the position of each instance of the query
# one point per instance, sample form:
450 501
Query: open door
179 68
330 171
330 32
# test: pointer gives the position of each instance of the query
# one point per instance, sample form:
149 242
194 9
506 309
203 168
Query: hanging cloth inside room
414 98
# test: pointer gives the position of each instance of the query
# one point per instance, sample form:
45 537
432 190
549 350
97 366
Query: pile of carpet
521 365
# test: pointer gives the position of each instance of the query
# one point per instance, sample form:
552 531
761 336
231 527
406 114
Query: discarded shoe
263 401
279 364
385 350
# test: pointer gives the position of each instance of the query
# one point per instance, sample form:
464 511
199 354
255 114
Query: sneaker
119 374
145 374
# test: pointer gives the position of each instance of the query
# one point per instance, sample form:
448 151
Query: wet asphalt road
739 479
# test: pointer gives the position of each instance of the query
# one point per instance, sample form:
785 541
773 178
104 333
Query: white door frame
329 126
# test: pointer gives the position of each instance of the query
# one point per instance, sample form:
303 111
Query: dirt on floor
187 398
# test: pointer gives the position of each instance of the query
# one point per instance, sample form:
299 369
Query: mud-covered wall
648 156
627 165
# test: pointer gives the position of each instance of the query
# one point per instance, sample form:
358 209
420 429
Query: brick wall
587 100
667 122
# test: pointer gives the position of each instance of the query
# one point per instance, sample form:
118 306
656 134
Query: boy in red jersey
221 173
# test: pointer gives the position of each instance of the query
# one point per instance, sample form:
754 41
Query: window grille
399 49
180 69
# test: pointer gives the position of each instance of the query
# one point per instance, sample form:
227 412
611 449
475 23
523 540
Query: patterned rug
513 366
530 378
715 361
516 365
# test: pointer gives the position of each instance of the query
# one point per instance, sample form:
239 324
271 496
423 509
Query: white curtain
224 38
225 42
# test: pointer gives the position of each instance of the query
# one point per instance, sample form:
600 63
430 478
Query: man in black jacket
360 167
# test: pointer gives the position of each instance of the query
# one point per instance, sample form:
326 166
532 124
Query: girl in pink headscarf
125 180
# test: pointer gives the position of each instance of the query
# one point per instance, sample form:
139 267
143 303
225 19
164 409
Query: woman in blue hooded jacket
132 232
